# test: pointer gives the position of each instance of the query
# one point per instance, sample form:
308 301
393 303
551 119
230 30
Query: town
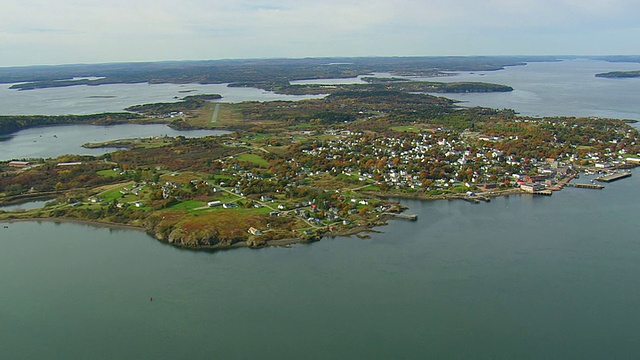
293 172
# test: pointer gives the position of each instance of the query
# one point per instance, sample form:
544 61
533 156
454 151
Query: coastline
284 242
359 230
382 220
76 221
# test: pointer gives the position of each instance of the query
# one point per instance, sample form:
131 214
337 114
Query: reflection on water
53 141
84 99
518 277
565 88
36 204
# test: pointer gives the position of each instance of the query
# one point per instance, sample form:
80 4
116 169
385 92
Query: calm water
29 205
566 88
53 141
108 98
517 278
506 279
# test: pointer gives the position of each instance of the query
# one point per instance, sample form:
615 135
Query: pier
410 217
613 177
543 192
587 186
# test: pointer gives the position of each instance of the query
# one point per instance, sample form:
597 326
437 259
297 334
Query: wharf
587 186
411 217
543 192
614 177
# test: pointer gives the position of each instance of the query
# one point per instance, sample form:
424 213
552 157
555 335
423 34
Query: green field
254 159
187 205
109 173
111 195
406 128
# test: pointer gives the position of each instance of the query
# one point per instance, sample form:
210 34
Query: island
261 73
620 74
291 172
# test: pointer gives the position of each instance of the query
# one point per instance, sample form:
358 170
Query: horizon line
555 56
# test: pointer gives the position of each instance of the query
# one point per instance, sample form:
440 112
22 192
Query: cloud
119 30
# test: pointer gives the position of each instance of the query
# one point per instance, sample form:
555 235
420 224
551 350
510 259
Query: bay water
84 99
53 141
519 277
562 88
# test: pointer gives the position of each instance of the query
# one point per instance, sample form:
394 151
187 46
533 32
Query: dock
543 192
587 186
613 177
410 217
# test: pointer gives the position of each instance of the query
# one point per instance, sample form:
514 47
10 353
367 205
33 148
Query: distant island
620 74
261 73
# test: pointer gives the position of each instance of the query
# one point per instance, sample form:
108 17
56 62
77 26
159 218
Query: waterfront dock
410 217
613 177
587 186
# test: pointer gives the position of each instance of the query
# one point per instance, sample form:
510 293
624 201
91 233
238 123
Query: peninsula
298 171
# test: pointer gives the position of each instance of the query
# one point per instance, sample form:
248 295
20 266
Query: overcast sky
91 31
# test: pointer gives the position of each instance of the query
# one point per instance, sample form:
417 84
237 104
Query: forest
269 71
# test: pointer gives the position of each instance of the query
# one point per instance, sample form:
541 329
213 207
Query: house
254 231
534 178
532 187
214 203
19 164
489 186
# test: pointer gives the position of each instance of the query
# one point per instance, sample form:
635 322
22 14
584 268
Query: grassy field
182 177
187 205
228 115
109 196
370 188
254 159
109 173
406 128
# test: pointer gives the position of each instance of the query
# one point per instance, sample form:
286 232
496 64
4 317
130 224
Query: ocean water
565 88
520 277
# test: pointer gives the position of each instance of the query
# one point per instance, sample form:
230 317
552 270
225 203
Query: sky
42 32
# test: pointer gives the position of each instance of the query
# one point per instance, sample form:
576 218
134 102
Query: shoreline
382 220
285 242
94 223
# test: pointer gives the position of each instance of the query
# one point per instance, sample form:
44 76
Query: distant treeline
620 74
380 84
268 71
13 123
188 103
